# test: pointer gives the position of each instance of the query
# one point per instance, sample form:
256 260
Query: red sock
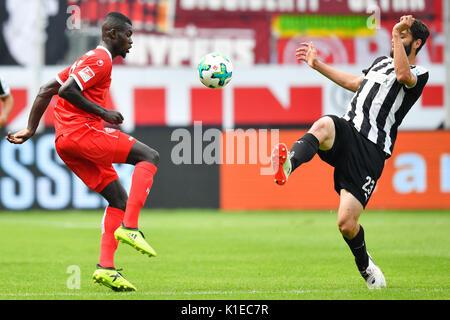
141 184
111 221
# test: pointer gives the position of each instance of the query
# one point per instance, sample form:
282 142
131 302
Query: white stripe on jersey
373 79
386 82
4 88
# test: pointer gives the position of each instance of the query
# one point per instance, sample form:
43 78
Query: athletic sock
304 150
358 247
141 184
111 221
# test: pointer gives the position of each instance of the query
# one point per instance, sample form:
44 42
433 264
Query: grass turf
211 255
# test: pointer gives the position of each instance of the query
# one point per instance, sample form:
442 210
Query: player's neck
412 59
109 48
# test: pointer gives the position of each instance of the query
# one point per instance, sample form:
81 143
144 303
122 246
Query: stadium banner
175 97
417 176
178 32
332 7
261 32
32 176
342 47
244 43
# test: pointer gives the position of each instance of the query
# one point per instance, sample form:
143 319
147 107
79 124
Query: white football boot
281 163
373 275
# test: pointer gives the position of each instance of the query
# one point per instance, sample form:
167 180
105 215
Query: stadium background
157 90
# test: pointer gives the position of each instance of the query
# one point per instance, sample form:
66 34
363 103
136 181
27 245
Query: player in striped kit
358 143
7 102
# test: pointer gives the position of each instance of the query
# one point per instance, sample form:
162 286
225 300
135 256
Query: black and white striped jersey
381 102
4 89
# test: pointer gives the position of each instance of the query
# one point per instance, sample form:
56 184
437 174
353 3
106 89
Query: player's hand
19 137
404 24
113 117
307 53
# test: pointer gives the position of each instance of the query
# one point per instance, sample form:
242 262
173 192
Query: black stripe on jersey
381 66
379 59
399 115
394 129
385 108
2 90
365 126
410 98
351 114
389 71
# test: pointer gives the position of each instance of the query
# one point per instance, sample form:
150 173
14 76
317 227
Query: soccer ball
215 70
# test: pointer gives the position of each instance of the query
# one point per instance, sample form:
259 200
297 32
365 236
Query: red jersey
92 73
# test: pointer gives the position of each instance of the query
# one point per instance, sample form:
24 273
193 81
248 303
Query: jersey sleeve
422 79
89 72
63 76
366 71
414 93
421 75
4 88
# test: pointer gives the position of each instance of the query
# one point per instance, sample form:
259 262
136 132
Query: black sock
304 150
358 247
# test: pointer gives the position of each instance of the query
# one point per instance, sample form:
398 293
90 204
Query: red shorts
90 152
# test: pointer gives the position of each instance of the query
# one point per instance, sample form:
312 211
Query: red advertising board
417 176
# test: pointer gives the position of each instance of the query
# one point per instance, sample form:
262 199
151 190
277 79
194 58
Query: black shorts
357 161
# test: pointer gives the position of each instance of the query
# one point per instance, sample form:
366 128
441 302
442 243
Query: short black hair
419 30
113 19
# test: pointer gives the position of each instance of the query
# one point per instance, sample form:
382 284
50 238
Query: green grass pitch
212 255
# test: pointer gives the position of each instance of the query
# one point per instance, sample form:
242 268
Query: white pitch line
193 293
64 225
154 293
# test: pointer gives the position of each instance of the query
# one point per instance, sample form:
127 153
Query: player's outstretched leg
321 135
281 163
145 160
353 233
112 278
284 162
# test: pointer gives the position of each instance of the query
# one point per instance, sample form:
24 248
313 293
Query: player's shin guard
141 184
303 150
358 247
111 221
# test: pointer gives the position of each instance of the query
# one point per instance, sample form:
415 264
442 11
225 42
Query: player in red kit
89 149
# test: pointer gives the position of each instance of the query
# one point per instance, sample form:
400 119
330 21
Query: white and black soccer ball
215 70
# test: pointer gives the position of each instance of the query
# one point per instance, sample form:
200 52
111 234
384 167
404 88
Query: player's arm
40 104
72 93
7 105
401 63
308 54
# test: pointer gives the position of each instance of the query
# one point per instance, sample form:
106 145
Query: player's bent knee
347 228
323 129
324 125
141 152
153 157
